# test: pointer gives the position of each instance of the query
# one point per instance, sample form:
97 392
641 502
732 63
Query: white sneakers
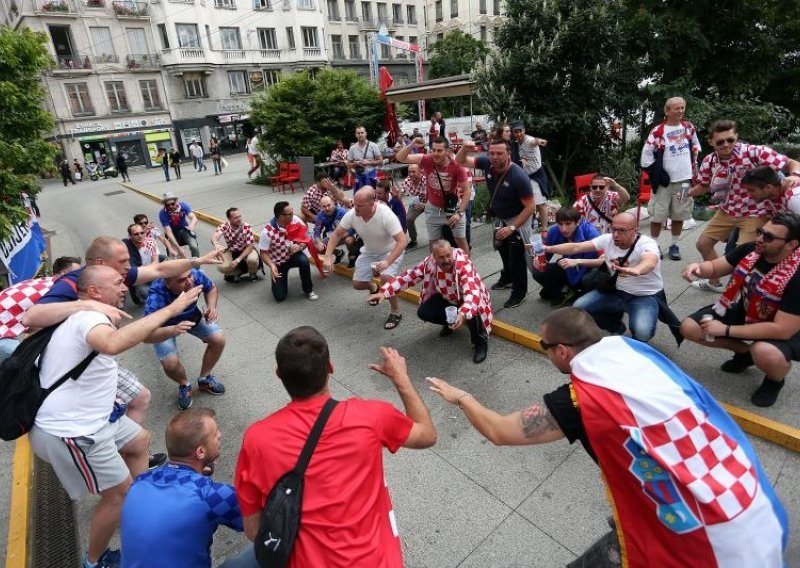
704 284
312 296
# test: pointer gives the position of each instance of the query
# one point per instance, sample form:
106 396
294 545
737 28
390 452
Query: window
137 40
187 35
271 77
208 38
79 101
229 4
350 10
366 11
290 37
413 40
481 6
150 96
262 5
355 51
267 38
496 7
382 15
439 37
117 99
401 54
195 86
103 46
336 47
483 33
397 13
309 37
162 33
454 8
305 4
411 14
333 10
237 80
439 16
230 38
385 53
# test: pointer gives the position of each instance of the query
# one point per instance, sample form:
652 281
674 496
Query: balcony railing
94 3
376 23
143 61
191 53
312 52
225 4
234 54
263 5
125 9
106 58
55 7
270 53
73 63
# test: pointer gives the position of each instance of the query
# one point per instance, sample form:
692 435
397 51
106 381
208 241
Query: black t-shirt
515 186
790 302
559 403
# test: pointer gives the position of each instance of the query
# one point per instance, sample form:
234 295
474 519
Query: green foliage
24 155
481 200
304 116
455 54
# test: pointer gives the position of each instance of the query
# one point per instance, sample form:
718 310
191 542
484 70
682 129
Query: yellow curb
20 509
770 430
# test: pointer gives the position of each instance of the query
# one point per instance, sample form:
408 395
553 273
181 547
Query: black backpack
280 520
21 394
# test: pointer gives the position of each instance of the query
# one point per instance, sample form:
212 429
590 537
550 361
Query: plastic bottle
684 194
708 317
539 257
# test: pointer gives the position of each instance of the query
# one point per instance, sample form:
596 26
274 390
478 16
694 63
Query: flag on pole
22 251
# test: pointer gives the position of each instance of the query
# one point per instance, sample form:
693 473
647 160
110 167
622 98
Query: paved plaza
462 502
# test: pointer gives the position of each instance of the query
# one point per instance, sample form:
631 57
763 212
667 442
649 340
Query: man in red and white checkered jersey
721 174
16 299
415 186
310 206
602 202
239 254
449 280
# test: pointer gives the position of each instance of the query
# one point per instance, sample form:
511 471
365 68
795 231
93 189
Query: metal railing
234 54
126 9
225 4
191 53
94 3
265 5
55 7
270 53
73 63
106 58
143 61
312 52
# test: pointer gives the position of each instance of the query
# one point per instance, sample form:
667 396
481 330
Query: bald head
103 249
325 201
95 275
102 284
365 195
625 218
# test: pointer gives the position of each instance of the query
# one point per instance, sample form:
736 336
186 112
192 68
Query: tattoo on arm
537 420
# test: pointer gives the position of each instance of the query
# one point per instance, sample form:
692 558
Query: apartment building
477 18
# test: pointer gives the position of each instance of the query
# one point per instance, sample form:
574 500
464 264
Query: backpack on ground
280 520
21 394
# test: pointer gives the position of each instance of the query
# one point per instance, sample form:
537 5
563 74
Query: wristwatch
512 227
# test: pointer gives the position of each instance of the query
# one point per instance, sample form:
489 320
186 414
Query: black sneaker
411 245
480 352
767 393
501 285
156 460
738 363
514 301
228 278
445 331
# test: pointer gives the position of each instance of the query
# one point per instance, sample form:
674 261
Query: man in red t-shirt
448 190
347 518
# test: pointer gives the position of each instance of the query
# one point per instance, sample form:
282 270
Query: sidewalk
463 502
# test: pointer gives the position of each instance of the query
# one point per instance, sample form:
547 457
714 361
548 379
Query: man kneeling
760 305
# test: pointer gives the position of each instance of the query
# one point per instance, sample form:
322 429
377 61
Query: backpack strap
76 372
313 437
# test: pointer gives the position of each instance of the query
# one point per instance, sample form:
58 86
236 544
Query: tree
565 68
24 154
304 115
455 54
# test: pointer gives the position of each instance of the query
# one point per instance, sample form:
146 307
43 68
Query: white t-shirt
529 151
378 232
82 407
252 147
649 284
678 153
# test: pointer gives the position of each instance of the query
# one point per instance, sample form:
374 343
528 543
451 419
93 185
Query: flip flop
393 321
371 291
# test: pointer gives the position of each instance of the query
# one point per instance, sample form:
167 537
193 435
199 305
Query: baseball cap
168 196
518 125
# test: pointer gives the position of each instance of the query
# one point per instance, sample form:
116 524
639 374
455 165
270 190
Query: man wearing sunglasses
602 203
758 315
685 484
721 174
670 157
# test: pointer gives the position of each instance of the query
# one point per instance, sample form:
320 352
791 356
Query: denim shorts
201 330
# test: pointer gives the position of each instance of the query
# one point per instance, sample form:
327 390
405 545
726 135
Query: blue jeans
245 559
366 178
608 309
280 288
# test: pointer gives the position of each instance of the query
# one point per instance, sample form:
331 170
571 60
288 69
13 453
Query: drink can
708 317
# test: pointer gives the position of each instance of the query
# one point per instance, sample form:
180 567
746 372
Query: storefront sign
233 106
87 127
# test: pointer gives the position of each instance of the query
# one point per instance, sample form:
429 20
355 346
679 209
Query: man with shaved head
636 284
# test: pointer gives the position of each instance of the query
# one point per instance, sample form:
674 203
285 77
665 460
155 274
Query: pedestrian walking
216 155
122 165
175 158
66 172
197 153
164 159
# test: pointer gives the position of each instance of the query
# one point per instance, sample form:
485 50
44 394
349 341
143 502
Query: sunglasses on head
769 237
722 141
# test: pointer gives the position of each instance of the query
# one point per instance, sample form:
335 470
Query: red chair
283 171
645 189
293 176
454 139
582 183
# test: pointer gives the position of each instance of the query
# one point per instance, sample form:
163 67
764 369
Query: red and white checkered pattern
609 205
462 287
279 244
710 464
312 197
745 157
237 238
338 155
415 188
16 299
788 202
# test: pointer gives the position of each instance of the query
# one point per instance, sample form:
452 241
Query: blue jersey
160 296
170 515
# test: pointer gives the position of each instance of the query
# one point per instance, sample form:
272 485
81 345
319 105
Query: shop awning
457 86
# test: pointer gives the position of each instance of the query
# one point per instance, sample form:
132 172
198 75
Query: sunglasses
597 187
547 346
137 234
769 237
722 141
622 230
171 203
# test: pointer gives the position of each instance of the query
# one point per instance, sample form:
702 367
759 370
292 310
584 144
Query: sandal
371 291
393 321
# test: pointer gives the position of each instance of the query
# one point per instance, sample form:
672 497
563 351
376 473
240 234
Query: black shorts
735 316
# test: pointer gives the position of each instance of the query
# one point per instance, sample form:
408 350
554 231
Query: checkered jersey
462 287
609 205
415 188
237 238
274 241
312 197
338 155
710 464
728 174
16 300
788 202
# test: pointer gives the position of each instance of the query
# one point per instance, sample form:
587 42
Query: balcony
72 64
311 52
270 53
106 58
143 61
234 55
94 3
191 53
225 4
262 5
366 25
55 8
132 10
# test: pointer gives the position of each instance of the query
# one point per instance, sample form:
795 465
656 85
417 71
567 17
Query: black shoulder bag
603 216
280 520
450 199
603 280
